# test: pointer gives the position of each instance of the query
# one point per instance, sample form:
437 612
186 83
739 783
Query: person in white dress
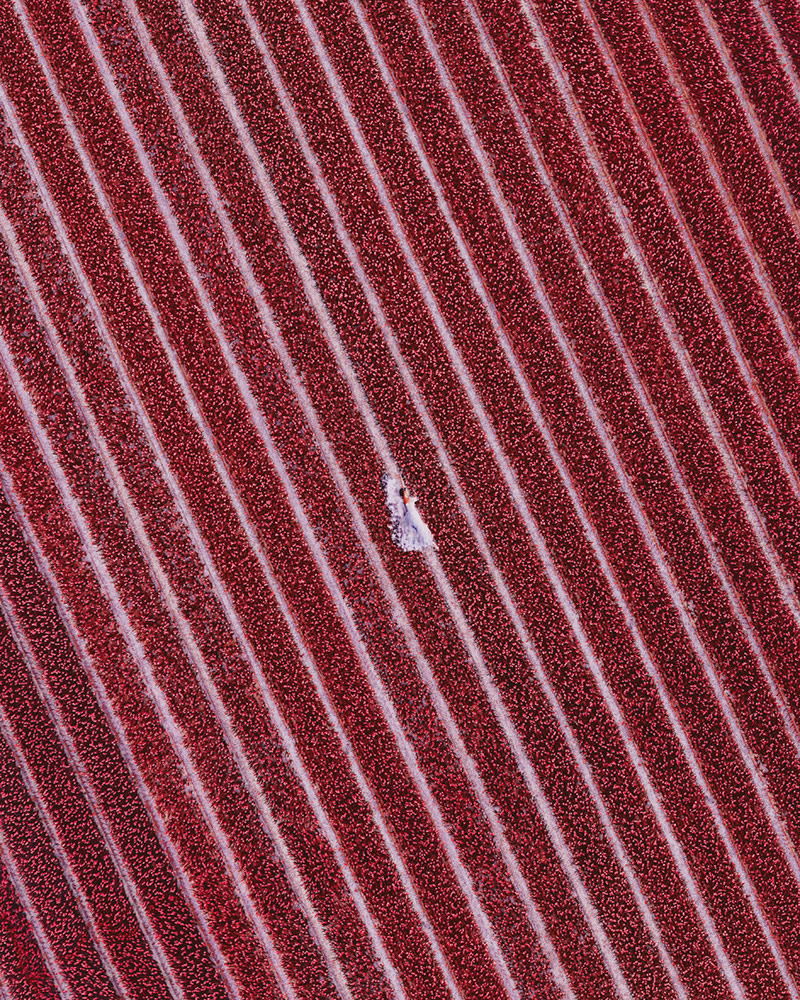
409 530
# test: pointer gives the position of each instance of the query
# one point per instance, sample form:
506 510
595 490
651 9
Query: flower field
540 261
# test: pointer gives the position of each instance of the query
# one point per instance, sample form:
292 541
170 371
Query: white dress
409 531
